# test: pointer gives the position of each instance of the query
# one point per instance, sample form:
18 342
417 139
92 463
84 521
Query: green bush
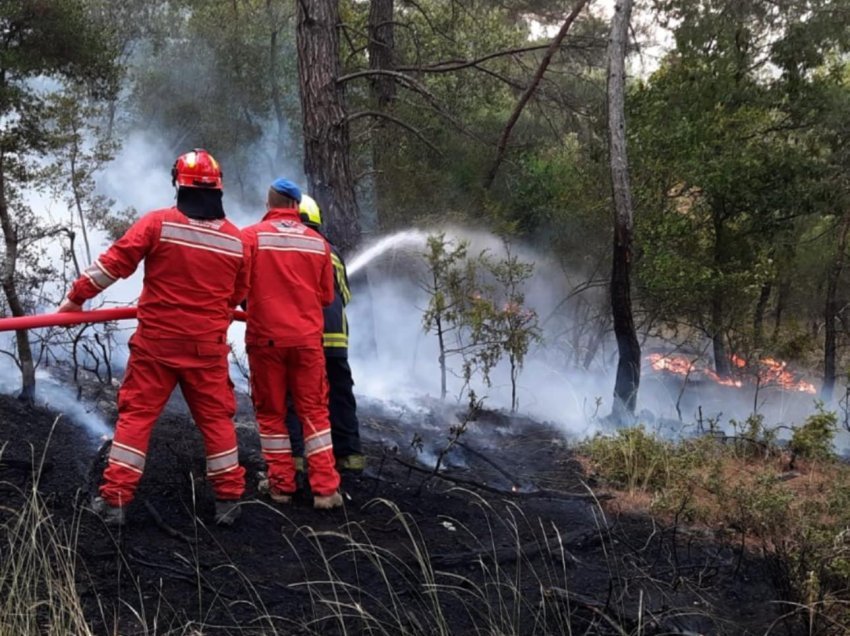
632 459
814 439
759 508
753 439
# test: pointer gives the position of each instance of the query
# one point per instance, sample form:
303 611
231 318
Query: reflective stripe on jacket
335 337
196 271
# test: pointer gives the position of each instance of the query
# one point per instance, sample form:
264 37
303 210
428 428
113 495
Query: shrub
814 439
632 459
752 438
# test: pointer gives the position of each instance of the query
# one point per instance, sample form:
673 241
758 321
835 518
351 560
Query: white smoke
403 366
54 395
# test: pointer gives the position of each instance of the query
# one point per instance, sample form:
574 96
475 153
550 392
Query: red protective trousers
276 371
155 368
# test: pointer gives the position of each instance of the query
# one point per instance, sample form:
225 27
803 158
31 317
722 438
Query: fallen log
193 577
477 453
575 540
540 493
167 529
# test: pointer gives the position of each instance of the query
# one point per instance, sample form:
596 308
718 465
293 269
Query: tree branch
398 122
427 19
447 66
416 87
532 86
537 493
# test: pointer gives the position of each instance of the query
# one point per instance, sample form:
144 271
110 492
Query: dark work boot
227 511
112 516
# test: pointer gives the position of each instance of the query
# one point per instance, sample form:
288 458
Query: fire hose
64 319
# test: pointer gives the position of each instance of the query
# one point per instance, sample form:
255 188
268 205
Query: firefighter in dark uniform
345 428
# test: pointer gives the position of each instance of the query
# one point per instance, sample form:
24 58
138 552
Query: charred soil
507 538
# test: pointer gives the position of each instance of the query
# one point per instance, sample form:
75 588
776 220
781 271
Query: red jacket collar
276 214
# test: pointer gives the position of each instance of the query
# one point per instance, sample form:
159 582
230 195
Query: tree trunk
10 239
381 48
721 359
718 342
514 377
782 293
786 254
758 315
628 366
78 203
830 311
274 82
326 141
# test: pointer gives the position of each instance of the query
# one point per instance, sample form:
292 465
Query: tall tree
458 72
832 95
232 92
628 365
276 26
830 312
55 39
325 126
726 142
381 48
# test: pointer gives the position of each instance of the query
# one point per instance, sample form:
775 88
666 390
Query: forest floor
508 538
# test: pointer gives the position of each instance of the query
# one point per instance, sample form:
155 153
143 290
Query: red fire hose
76 317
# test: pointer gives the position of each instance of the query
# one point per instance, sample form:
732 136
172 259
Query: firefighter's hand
69 305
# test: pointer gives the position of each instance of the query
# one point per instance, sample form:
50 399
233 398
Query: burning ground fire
771 372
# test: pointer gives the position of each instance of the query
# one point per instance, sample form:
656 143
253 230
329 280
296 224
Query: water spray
395 241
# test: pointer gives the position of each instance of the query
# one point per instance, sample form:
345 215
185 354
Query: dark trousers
345 428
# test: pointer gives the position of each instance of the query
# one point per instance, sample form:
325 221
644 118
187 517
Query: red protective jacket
291 281
179 298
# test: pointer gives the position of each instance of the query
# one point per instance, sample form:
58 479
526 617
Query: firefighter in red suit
292 279
196 271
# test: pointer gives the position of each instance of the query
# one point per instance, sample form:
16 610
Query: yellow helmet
309 210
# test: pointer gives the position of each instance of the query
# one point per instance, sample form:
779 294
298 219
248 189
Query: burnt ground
508 539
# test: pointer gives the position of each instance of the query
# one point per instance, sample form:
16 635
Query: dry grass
38 577
743 490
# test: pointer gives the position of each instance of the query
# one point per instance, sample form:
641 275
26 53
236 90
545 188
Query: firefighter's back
290 277
191 277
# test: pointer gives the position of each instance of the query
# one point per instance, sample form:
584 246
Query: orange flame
771 372
774 371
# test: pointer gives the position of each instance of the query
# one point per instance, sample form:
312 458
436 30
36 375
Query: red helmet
196 169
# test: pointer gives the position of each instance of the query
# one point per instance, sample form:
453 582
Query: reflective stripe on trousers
317 443
222 462
127 456
275 443
335 340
